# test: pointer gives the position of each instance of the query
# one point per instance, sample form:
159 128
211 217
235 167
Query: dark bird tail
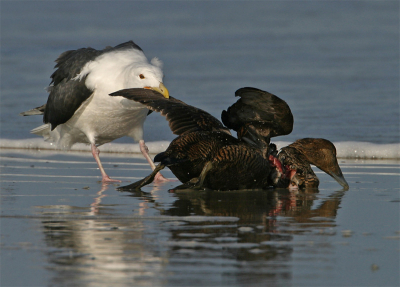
34 112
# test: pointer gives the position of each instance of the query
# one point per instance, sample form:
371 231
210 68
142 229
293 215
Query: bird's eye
141 76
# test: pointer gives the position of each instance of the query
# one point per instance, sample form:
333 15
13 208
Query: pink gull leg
95 153
145 151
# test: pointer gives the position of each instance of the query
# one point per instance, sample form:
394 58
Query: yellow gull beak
161 89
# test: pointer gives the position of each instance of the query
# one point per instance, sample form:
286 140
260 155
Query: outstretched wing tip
182 117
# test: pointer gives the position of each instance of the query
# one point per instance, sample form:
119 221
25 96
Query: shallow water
61 227
335 63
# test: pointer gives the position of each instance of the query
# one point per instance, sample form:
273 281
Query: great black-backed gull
79 108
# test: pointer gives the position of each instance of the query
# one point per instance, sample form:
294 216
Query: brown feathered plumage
319 152
205 154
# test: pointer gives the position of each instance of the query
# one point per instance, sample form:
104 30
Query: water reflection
207 238
252 207
93 251
94 207
97 252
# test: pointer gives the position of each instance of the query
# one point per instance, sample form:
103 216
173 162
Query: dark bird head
322 154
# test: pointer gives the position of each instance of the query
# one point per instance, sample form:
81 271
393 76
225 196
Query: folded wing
257 116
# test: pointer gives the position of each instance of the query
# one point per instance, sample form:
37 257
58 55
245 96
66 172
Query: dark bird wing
182 117
258 116
66 93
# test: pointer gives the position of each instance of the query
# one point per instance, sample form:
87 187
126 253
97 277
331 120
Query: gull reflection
94 207
96 248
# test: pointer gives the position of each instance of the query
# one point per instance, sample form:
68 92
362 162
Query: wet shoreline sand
60 226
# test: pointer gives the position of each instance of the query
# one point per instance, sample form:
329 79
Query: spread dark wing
258 115
66 93
182 117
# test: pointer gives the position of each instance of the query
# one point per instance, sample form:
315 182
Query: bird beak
340 179
161 89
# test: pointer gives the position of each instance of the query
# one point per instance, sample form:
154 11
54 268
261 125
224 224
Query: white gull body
97 118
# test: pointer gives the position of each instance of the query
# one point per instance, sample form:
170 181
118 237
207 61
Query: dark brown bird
206 154
319 152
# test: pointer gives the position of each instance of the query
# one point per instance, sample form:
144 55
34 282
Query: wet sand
61 227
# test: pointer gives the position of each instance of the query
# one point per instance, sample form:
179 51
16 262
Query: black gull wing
182 117
64 99
67 93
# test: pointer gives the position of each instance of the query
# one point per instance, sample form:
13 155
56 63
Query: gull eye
141 76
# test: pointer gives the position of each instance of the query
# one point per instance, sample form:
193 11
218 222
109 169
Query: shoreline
345 150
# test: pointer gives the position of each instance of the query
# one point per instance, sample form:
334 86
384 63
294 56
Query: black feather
66 93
